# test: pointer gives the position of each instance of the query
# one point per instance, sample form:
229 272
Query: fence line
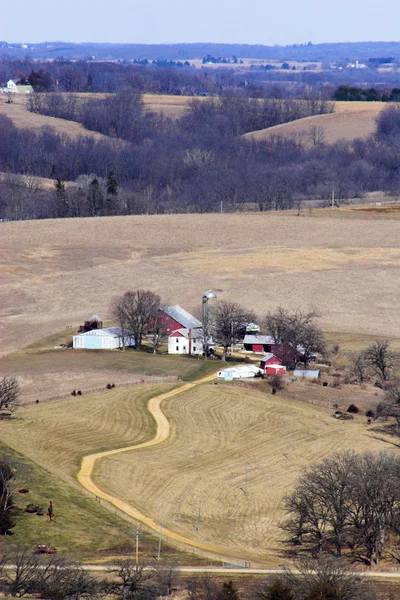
103 388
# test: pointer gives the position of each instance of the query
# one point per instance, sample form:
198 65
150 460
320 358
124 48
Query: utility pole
159 544
199 517
288 445
333 198
221 207
137 547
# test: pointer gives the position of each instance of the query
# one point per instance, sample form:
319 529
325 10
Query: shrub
276 381
73 393
108 386
353 409
370 414
79 393
325 384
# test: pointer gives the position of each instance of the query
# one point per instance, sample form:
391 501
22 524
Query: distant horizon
252 22
197 43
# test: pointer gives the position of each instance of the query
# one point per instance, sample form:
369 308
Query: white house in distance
186 341
110 338
14 88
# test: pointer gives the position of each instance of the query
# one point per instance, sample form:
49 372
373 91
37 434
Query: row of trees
58 579
347 503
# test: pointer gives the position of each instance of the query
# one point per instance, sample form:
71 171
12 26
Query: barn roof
268 356
258 339
182 316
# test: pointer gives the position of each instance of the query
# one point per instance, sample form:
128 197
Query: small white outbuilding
240 372
109 338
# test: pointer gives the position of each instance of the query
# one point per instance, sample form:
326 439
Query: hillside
58 272
170 106
349 121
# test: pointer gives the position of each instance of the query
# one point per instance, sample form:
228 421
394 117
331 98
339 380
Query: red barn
272 365
176 317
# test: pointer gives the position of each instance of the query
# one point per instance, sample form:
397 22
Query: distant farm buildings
110 338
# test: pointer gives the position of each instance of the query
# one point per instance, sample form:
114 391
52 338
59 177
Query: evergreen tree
95 199
112 185
61 198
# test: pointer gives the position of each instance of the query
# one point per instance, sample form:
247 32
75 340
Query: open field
22 118
349 121
58 272
215 431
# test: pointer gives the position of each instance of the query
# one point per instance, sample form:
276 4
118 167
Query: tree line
58 579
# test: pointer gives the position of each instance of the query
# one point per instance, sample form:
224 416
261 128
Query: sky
224 21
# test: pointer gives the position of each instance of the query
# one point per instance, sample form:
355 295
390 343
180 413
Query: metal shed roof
258 339
108 331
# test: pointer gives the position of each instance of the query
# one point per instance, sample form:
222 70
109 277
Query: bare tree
327 578
295 334
359 367
60 579
23 577
9 393
136 311
390 405
166 577
132 582
381 359
229 320
159 332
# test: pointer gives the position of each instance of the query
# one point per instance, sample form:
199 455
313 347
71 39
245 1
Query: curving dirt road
162 433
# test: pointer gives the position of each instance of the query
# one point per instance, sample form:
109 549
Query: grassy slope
349 121
215 432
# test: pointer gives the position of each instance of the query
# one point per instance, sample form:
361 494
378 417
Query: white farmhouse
109 338
14 88
186 341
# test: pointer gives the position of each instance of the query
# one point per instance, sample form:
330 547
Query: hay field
57 434
215 432
349 121
55 273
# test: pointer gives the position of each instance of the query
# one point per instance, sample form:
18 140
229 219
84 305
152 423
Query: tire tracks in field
163 430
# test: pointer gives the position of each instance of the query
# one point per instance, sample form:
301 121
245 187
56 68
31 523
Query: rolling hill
349 121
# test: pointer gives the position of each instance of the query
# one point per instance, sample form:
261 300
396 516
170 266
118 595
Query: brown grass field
349 121
215 431
57 273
